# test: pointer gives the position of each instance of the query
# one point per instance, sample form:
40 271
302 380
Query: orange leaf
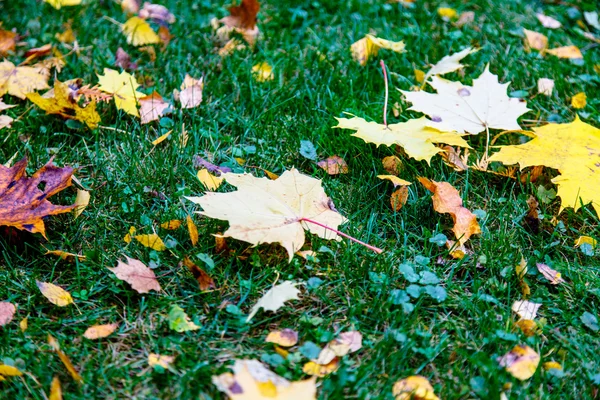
65 359
204 280
244 15
447 200
193 230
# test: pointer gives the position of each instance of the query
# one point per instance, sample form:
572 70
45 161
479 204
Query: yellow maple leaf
369 46
18 81
573 149
266 211
138 32
62 3
579 100
124 88
64 105
55 294
415 136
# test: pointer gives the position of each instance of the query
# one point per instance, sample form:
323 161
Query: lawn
455 343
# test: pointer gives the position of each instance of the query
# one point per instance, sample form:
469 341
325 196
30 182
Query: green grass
454 343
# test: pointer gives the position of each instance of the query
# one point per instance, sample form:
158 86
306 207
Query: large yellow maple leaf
124 88
18 81
266 211
414 136
573 149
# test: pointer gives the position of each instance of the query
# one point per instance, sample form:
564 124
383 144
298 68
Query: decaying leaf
152 107
535 40
191 92
179 320
553 276
526 309
275 298
160 360
392 164
123 60
99 331
285 337
446 199
63 255
449 63
414 387
242 19
134 272
521 362
263 72
579 100
398 198
123 87
55 294
465 18
415 136
471 109
545 86
138 32
204 280
7 312
210 181
66 106
8 41
156 12
266 211
368 47
334 165
573 149
528 327
566 52
252 380
151 240
18 81
65 359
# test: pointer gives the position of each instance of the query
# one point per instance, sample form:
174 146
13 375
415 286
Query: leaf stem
385 77
487 142
368 246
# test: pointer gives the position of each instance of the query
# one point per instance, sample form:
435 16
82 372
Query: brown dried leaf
393 165
123 60
134 272
398 198
204 280
8 41
243 16
7 312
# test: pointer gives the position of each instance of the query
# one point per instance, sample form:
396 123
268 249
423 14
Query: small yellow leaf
419 75
55 390
152 240
535 40
548 365
161 138
586 240
527 326
171 225
81 201
8 370
447 13
163 361
521 269
139 33
66 37
369 46
124 88
99 331
566 52
210 181
307 254
521 362
579 100
55 294
314 369
65 255
395 180
193 230
262 72
414 387
286 337
23 325
127 238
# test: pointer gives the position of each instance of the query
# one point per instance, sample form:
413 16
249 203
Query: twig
368 246
386 92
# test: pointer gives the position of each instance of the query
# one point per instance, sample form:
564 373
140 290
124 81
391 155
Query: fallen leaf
395 180
191 92
554 277
67 36
162 138
123 60
526 309
55 390
449 63
160 360
548 365
419 77
55 294
7 312
285 337
447 200
65 359
8 41
179 320
138 32
99 331
9 370
230 47
63 255
22 204
447 13
263 72
398 198
252 380
124 88
156 12
165 36
566 52
465 18
472 109
23 324
192 229
527 326
18 81
129 235
81 202
346 342
548 22
242 20
275 298
58 4
134 272
321 370
210 181
5 121
545 86
171 225
581 240
204 280
152 240
579 100
454 159
571 148
414 387
521 362
266 211
392 164
535 40
334 165
415 136
369 46
152 107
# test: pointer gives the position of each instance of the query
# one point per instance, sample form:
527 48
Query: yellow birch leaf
161 138
65 255
395 180
171 225
586 240
138 32
55 294
160 360
210 181
566 52
447 13
548 365
419 75
65 359
521 362
579 100
128 236
81 201
314 369
193 230
369 46
152 240
8 370
23 325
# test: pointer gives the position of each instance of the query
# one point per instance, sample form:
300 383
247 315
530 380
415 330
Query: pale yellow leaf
160 360
138 32
161 138
19 81
447 13
535 40
275 298
548 22
55 294
449 63
210 181
545 86
285 337
566 52
395 180
124 88
526 309
263 72
100 331
151 240
81 201
368 47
